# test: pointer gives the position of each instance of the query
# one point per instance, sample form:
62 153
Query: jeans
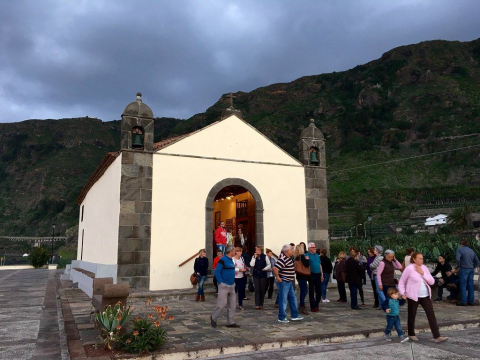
393 321
375 294
201 280
326 277
360 291
466 285
303 291
381 295
278 291
286 293
353 295
221 247
315 289
269 290
240 289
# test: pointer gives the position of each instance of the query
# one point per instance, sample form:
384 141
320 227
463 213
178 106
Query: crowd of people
235 271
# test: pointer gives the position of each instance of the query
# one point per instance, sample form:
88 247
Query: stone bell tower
312 156
135 195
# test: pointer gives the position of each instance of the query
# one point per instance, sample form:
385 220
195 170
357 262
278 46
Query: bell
137 140
313 158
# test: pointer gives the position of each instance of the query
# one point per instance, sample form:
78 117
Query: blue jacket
225 271
466 258
393 305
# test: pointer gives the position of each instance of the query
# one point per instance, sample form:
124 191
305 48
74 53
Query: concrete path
464 344
29 316
190 335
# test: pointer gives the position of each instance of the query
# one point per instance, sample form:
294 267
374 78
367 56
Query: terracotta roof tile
164 143
106 162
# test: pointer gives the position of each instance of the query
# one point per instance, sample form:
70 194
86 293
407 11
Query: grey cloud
67 59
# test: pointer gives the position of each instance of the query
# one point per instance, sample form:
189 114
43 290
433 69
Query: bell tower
312 156
133 261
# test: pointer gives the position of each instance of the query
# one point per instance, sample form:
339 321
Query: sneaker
441 339
403 339
387 337
298 318
326 301
284 321
438 299
241 308
413 338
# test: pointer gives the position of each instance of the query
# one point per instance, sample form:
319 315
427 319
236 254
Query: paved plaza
32 300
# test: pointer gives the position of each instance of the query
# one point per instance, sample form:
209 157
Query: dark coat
327 266
201 266
354 272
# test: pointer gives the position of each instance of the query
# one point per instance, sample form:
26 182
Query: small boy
215 262
392 307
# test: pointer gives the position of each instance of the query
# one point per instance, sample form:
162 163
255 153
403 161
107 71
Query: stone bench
107 293
83 273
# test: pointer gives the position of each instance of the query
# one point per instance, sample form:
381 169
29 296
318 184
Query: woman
327 272
353 277
299 255
240 278
443 268
201 270
371 257
304 247
386 272
270 276
414 285
260 266
362 260
339 271
408 255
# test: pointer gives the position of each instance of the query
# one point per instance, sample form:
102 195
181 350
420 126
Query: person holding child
392 307
414 286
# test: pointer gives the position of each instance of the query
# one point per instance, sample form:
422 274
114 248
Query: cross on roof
231 97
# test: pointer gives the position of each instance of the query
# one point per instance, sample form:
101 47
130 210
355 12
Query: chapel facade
149 208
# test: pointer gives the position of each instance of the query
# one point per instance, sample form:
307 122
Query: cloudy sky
89 57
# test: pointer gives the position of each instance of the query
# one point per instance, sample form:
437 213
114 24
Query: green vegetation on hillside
415 100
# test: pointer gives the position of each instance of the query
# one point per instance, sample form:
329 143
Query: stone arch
209 211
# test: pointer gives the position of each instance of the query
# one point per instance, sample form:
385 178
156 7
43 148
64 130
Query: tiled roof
106 162
164 143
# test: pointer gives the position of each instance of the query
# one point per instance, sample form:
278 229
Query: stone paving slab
191 332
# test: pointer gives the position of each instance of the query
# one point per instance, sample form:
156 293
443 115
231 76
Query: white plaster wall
101 218
180 189
231 138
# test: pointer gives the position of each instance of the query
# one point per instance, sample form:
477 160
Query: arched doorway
243 209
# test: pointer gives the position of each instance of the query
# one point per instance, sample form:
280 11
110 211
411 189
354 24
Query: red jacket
215 262
221 236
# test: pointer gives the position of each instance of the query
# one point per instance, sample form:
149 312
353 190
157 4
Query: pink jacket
409 283
381 266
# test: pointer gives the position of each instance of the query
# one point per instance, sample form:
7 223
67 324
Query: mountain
414 101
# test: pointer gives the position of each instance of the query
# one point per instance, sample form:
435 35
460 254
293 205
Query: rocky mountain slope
414 101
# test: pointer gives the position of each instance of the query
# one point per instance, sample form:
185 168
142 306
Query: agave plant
111 321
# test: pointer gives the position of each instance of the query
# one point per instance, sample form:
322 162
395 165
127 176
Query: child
392 307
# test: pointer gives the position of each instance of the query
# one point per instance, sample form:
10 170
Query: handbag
194 279
301 269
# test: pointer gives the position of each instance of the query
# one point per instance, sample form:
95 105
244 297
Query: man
284 271
386 272
225 274
467 261
316 277
221 237
378 250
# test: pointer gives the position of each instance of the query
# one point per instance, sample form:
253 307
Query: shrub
111 321
39 257
147 334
